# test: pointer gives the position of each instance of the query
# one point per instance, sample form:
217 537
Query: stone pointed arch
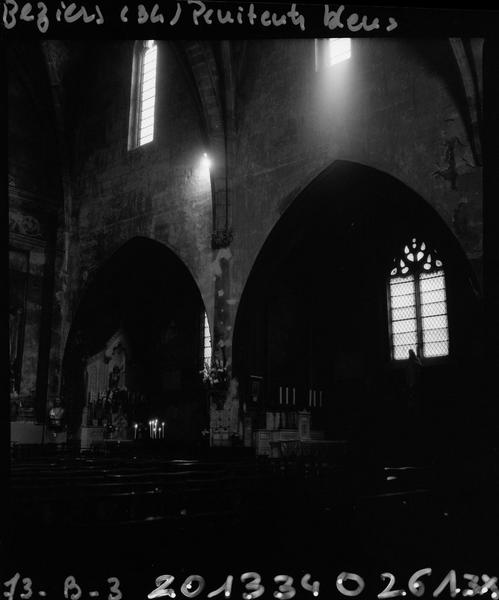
314 315
145 291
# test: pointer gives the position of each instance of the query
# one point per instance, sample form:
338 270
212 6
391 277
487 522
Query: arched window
418 303
143 97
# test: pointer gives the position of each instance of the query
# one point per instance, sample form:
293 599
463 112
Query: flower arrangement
215 375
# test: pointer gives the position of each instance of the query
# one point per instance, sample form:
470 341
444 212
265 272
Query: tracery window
143 97
418 303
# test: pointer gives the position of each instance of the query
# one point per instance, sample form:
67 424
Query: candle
163 428
294 397
280 395
321 399
309 401
135 431
286 394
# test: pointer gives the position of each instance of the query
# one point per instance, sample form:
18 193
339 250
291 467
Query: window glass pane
399 286
147 104
436 349
147 115
146 127
403 301
146 132
431 282
148 81
401 339
149 61
435 335
403 316
407 312
402 352
437 321
433 296
404 326
148 93
433 308
148 96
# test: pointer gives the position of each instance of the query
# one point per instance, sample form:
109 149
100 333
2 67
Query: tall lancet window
206 342
143 97
418 303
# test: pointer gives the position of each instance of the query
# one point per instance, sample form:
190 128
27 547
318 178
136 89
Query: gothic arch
145 291
313 313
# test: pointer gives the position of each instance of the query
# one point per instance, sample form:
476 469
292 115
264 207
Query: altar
285 433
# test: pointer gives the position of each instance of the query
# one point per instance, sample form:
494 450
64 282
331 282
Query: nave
136 514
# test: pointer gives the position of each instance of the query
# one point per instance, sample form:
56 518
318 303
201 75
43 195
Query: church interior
246 323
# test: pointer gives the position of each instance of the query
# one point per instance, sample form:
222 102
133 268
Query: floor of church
136 515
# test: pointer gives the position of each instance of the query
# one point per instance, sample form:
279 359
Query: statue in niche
114 378
56 419
117 366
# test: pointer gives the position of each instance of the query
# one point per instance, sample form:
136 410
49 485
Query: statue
114 378
56 419
413 379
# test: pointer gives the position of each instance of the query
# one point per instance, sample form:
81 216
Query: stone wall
159 191
393 106
34 200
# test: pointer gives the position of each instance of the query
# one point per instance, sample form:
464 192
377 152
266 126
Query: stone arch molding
89 272
342 166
